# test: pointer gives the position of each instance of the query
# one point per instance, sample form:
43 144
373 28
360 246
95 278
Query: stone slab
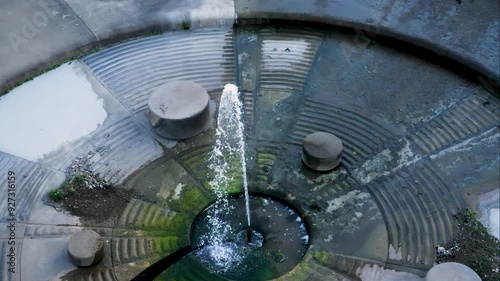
467 31
447 28
36 34
117 19
36 264
357 13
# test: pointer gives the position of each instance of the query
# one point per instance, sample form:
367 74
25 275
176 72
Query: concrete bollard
179 109
85 248
322 151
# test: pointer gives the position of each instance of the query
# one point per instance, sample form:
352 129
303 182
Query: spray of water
229 149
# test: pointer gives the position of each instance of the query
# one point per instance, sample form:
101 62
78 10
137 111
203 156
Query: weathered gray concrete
466 32
36 264
39 33
179 109
36 34
117 19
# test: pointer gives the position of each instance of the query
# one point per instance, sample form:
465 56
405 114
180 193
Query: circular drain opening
279 238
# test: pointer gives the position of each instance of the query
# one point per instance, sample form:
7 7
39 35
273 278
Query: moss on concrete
166 244
191 200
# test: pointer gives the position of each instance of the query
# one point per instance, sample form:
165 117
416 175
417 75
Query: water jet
249 234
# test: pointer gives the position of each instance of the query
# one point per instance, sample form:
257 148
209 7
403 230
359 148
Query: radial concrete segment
396 100
209 62
422 23
470 173
125 146
36 34
146 63
116 19
120 147
77 119
37 264
32 181
423 189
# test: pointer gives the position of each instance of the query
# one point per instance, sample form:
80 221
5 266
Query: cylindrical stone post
179 109
322 151
85 248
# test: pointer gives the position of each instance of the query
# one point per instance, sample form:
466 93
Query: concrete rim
486 77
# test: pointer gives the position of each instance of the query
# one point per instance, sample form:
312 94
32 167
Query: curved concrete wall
40 33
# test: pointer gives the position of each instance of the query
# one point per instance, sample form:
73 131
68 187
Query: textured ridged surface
132 70
286 58
195 162
130 248
35 231
418 208
101 274
266 156
145 214
124 146
468 118
361 137
248 50
344 264
32 180
249 111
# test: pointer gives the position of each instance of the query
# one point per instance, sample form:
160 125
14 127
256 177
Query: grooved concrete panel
108 19
133 69
32 181
35 33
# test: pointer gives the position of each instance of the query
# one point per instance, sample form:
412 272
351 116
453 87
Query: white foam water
229 148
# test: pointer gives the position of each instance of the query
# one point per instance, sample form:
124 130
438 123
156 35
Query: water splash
229 150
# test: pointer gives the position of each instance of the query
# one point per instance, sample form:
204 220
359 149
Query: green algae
191 200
